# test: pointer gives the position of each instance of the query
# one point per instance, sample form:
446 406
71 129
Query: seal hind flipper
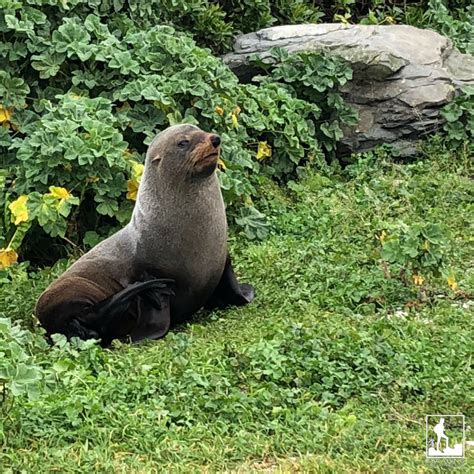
154 316
68 308
82 332
103 317
229 292
107 310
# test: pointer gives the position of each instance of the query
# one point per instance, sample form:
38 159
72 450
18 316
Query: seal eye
183 144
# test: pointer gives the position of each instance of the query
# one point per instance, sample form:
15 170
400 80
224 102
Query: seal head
185 152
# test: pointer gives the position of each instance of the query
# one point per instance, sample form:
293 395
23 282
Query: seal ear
156 158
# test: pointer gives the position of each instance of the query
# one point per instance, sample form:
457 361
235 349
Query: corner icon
445 436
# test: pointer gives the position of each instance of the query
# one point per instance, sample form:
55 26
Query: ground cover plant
331 369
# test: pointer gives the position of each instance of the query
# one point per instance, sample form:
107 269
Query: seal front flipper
229 292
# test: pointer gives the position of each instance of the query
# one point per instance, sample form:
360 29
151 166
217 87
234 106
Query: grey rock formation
402 75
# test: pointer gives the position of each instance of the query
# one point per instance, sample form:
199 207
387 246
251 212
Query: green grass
332 368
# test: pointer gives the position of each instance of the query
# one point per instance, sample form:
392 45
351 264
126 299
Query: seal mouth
206 152
211 155
209 158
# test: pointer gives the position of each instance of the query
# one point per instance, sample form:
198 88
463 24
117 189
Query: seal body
170 260
193 257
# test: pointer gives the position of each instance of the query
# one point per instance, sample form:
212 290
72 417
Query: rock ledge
402 75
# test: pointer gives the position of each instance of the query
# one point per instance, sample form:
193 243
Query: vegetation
364 325
332 367
83 95
87 84
459 117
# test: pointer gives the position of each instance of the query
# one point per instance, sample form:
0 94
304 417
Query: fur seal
169 261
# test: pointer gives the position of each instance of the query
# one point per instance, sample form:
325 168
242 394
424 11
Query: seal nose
215 140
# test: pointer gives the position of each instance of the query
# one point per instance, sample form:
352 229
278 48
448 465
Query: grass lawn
332 368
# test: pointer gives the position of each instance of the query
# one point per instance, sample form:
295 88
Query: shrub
454 19
311 77
19 374
82 95
459 116
416 252
456 22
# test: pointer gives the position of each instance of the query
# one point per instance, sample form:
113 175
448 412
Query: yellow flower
5 114
7 258
137 170
452 282
19 210
59 193
418 279
264 150
219 110
383 236
235 121
221 164
235 116
134 182
60 198
132 189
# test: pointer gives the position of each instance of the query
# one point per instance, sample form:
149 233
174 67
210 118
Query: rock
402 75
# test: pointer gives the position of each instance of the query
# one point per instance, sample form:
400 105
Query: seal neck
159 194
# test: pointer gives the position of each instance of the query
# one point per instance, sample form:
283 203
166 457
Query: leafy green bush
455 22
459 116
342 364
246 16
82 95
454 19
19 374
311 77
20 280
417 251
30 367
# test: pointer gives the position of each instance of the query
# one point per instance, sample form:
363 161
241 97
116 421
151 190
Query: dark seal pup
170 260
